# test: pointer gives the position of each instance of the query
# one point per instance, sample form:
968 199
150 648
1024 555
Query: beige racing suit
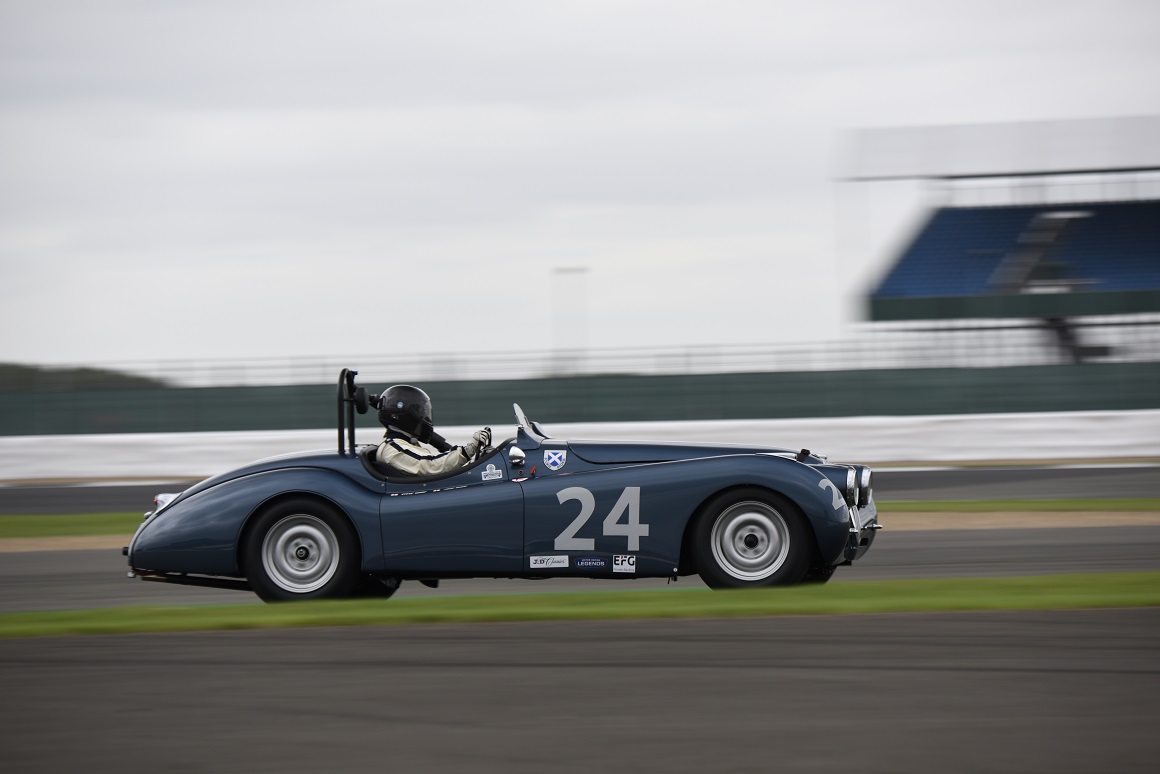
418 459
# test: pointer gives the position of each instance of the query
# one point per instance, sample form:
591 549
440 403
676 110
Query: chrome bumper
863 526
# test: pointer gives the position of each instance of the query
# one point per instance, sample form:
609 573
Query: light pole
569 318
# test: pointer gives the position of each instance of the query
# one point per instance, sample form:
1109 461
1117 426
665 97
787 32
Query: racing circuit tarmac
69 580
960 692
951 692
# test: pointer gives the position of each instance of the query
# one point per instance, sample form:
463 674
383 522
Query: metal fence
978 344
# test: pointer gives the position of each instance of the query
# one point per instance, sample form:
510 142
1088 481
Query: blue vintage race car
337 524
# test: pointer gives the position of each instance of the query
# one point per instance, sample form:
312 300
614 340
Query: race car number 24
632 528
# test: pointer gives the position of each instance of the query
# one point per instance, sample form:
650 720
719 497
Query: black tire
819 574
302 549
376 586
749 538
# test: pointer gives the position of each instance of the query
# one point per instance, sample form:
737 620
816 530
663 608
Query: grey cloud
257 160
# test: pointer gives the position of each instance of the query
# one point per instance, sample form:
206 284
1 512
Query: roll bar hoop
350 399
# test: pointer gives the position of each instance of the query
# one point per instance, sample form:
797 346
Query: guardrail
981 344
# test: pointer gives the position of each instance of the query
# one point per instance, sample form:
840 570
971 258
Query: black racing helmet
407 408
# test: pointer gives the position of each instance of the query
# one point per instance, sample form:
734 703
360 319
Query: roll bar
350 399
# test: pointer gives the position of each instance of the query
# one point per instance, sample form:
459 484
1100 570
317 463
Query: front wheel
302 549
749 538
819 574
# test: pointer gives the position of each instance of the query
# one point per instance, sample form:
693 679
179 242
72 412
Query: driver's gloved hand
482 439
479 441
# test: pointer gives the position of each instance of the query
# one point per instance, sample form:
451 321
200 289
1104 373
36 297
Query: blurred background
610 212
919 234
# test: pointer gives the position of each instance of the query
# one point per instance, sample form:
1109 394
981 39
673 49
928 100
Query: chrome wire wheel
300 553
750 540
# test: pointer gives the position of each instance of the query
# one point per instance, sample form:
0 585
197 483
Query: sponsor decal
554 459
544 562
424 491
491 474
624 563
591 562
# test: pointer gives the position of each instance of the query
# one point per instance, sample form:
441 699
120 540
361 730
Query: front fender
200 534
820 500
678 489
806 486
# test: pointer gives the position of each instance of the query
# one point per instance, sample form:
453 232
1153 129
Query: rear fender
202 534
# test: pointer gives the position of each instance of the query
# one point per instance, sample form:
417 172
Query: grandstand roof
1086 146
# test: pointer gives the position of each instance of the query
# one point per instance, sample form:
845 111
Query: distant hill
24 378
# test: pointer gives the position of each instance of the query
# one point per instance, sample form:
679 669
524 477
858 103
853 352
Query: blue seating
956 252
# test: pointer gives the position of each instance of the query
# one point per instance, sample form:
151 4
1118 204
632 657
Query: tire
302 549
376 586
749 538
819 574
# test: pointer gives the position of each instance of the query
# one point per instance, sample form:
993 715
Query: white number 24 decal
839 502
632 529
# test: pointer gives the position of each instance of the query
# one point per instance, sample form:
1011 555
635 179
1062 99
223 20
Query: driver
411 444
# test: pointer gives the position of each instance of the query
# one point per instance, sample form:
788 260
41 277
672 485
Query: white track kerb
950 439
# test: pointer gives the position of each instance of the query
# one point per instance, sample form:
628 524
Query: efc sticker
554 459
591 562
491 474
624 563
545 562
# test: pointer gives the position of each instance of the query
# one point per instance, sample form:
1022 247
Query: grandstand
1047 261
1033 285
1027 261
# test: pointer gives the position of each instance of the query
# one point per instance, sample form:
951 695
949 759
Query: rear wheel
302 549
377 586
750 538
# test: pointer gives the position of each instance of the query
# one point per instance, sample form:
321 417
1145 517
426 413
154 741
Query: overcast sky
245 178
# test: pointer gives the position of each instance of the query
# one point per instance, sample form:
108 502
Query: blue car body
533 507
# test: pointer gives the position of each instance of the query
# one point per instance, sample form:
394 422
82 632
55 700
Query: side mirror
516 456
361 400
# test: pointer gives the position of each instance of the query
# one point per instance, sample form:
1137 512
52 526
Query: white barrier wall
874 440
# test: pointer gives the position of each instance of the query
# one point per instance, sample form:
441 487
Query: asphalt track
951 692
68 580
1055 692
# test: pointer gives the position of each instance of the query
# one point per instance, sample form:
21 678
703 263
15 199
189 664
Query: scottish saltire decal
554 459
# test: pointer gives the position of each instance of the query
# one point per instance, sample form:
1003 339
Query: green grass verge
1055 592
68 525
79 525
1026 506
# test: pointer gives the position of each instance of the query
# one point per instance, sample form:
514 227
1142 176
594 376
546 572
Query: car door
595 521
470 523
